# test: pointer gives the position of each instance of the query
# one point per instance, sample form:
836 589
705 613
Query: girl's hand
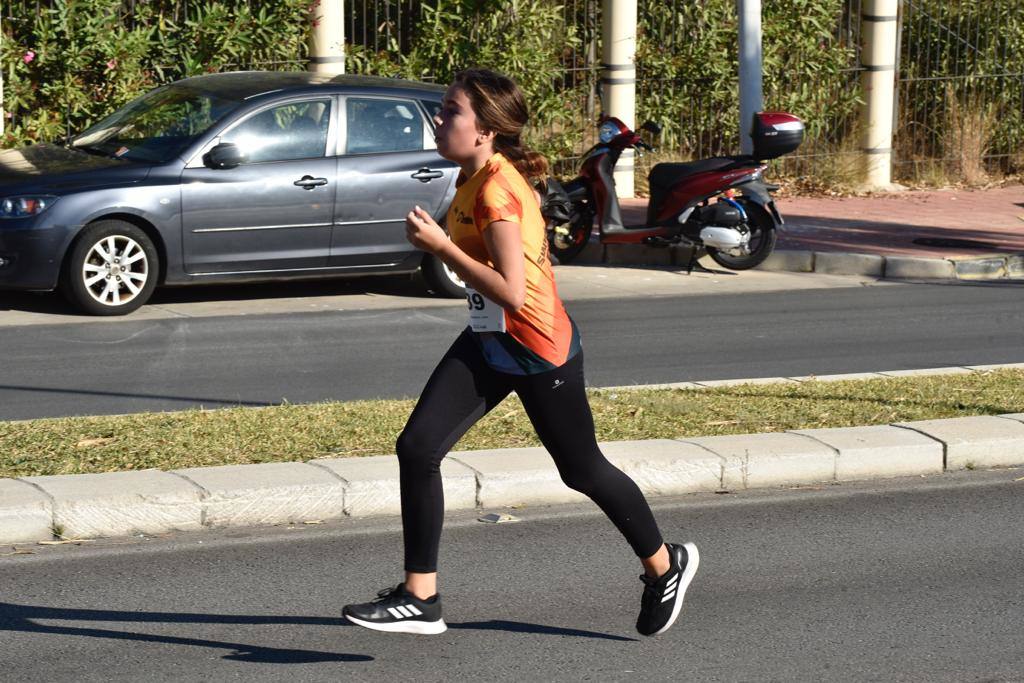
423 232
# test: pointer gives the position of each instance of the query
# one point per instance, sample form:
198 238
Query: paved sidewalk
892 224
34 509
945 234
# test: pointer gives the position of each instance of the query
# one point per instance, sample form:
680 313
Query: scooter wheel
762 241
568 241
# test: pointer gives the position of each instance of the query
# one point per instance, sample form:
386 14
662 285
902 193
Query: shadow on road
192 401
523 627
23 619
19 618
390 285
387 285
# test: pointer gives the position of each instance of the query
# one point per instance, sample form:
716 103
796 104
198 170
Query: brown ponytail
499 106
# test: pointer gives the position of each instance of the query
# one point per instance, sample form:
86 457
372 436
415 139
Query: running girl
519 339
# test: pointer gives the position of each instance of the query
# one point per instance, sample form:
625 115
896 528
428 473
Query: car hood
51 168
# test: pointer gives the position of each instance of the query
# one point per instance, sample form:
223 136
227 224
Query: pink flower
111 64
28 57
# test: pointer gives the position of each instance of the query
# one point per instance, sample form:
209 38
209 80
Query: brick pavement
889 224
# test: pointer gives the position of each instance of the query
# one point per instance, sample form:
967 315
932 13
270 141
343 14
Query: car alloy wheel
115 270
111 270
441 279
453 276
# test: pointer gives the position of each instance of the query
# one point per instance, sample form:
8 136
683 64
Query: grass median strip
200 438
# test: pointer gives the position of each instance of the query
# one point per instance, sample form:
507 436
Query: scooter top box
775 134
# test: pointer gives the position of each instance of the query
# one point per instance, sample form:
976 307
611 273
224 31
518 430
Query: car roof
243 85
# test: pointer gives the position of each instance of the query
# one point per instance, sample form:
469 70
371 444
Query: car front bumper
30 255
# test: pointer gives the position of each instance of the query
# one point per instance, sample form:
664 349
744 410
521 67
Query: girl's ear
483 136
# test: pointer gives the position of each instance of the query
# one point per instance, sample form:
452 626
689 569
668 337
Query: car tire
112 269
440 279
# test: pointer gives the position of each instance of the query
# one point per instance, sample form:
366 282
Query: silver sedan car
228 177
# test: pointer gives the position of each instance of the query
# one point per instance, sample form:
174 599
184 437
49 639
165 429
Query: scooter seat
663 176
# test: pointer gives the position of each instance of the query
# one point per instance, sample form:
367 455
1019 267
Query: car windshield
157 126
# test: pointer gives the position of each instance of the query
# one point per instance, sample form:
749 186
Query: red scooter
720 206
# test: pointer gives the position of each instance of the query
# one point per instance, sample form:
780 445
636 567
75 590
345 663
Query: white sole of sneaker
692 561
423 628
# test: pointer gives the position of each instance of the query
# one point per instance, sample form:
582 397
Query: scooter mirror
651 127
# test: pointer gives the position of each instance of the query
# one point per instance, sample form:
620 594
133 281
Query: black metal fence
960 82
960 111
707 118
960 85
703 121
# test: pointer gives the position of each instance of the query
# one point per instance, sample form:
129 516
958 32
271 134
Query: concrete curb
153 501
122 503
796 379
989 267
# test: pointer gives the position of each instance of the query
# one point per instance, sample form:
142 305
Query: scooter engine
723 229
729 240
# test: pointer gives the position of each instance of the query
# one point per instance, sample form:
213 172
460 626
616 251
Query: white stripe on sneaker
692 562
404 610
414 626
412 608
668 596
395 613
672 581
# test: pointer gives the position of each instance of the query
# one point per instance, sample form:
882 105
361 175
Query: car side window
377 125
297 130
433 108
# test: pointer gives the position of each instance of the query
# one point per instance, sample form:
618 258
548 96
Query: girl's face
457 136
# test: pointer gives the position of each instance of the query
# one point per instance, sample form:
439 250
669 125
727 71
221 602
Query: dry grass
972 123
198 438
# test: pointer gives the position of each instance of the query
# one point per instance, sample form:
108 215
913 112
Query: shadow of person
23 619
524 627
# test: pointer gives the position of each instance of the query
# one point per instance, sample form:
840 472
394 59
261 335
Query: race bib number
484 314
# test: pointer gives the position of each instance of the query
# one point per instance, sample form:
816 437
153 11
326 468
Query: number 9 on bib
484 314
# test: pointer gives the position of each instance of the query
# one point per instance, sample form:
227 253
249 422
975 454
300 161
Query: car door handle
425 175
308 182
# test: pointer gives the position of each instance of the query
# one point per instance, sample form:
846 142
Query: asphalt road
908 580
171 363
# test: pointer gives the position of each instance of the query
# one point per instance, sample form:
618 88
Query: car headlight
20 207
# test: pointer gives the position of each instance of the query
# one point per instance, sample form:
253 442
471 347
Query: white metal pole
327 37
750 72
3 114
618 77
878 80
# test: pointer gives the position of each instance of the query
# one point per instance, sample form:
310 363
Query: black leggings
461 390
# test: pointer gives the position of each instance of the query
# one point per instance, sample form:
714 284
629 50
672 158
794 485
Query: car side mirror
651 127
224 155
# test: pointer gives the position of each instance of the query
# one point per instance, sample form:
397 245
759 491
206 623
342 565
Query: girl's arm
504 284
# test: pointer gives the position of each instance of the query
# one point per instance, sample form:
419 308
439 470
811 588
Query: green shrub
76 60
527 39
71 63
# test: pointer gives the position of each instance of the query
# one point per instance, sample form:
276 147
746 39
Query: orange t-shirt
540 336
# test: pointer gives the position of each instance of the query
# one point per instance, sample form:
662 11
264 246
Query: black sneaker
663 597
398 611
